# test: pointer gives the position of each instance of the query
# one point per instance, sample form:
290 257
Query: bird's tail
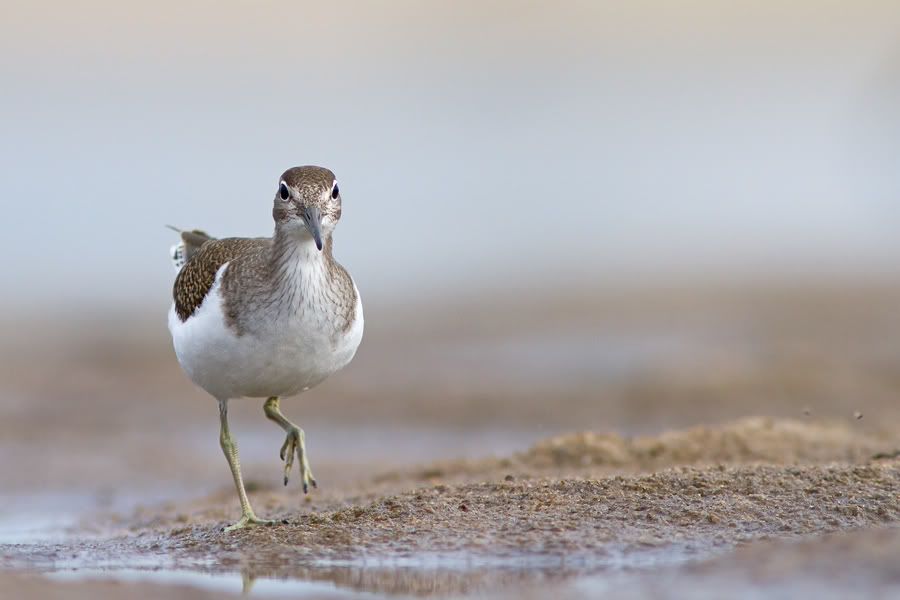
190 243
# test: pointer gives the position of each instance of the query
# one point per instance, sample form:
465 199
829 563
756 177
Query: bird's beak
313 219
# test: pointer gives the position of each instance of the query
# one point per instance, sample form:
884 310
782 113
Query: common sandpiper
267 317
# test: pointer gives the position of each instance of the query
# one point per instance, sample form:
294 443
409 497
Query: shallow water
230 582
457 574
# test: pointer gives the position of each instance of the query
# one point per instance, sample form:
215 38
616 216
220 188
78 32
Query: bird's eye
334 191
283 191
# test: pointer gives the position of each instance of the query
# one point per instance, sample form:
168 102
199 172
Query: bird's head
308 203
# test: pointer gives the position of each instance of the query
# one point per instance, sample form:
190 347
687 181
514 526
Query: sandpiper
267 317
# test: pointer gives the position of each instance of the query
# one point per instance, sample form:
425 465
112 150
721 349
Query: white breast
282 356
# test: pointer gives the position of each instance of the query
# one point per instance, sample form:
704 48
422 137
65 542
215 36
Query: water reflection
460 575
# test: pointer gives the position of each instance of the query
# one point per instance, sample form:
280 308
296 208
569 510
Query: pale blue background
477 144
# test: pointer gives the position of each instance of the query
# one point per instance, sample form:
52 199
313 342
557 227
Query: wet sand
553 466
572 506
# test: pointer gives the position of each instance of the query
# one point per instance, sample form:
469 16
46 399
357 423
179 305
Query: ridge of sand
744 441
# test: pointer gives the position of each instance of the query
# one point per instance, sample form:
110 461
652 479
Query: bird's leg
294 442
248 518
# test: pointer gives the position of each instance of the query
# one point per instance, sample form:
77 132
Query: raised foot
251 520
295 443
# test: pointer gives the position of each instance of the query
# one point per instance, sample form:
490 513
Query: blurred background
575 215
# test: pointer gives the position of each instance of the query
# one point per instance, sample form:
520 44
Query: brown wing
196 278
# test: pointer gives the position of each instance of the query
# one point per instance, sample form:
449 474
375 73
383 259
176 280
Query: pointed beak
313 219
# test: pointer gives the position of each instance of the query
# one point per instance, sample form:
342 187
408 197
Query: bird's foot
250 520
295 443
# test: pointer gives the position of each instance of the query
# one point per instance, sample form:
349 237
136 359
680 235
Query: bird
267 317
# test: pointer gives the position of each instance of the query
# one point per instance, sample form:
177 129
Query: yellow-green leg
294 442
248 518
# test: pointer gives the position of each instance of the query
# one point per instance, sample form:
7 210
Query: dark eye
334 191
283 191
